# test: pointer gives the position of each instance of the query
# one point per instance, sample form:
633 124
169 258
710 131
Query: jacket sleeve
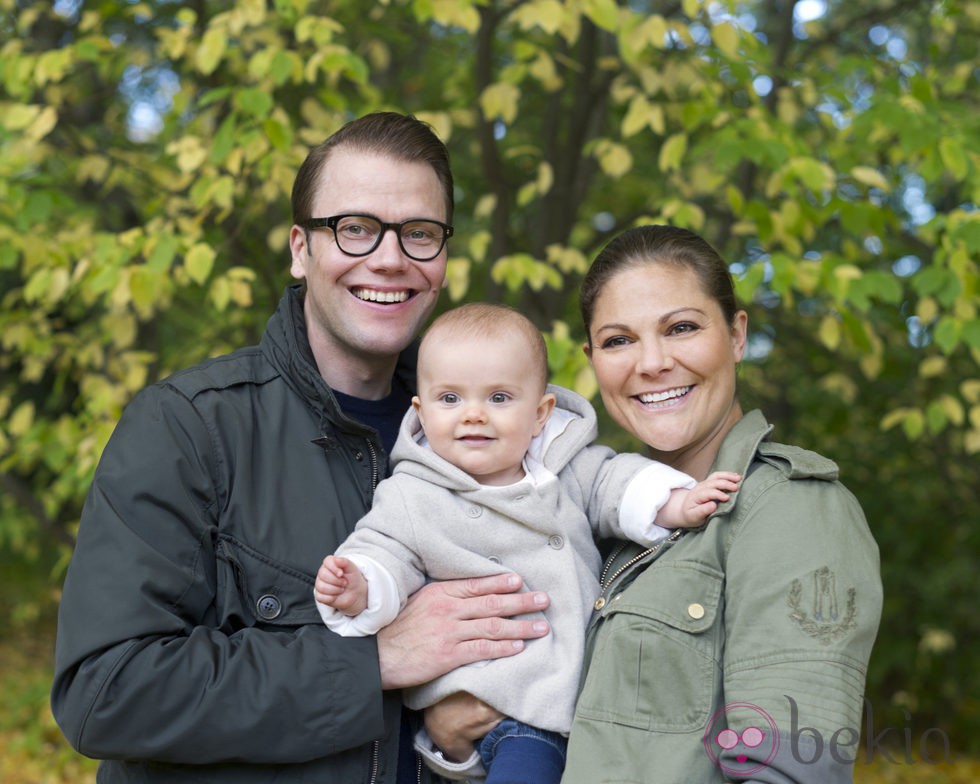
623 492
802 604
144 670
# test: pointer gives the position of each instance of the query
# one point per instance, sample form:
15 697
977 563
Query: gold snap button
696 611
599 603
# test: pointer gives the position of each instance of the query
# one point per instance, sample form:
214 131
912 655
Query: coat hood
571 426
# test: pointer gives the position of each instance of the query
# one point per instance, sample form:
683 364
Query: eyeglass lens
358 235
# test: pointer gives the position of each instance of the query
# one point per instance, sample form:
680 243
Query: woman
737 651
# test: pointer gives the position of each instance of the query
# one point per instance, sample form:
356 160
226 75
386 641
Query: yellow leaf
637 116
549 15
871 177
199 261
615 159
546 177
829 332
457 277
927 309
672 152
725 37
604 13
43 124
211 50
454 13
479 242
952 408
21 420
931 367
18 116
500 101
970 389
691 7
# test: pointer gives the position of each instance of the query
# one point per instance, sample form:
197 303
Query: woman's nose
654 358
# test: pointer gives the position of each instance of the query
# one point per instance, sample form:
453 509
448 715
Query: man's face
366 309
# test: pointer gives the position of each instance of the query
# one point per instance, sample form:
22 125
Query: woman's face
665 357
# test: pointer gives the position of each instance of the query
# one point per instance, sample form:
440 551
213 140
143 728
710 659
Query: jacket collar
738 449
287 347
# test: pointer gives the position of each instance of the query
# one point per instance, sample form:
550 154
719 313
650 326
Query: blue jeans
515 753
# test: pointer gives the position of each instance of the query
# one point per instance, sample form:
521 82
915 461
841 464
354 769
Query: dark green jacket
189 647
764 618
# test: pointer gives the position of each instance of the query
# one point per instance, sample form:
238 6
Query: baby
496 471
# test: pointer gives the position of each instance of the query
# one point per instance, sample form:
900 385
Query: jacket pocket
655 663
254 589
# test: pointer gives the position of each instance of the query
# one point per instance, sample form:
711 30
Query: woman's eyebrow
664 318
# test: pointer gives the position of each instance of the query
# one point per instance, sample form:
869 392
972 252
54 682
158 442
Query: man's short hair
400 137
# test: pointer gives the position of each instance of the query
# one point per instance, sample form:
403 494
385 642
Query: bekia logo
755 747
746 753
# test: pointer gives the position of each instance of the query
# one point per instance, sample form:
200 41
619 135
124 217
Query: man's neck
365 377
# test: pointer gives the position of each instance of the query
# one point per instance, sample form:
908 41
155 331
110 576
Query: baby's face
480 402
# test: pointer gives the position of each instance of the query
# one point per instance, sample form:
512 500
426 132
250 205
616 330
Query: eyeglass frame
331 223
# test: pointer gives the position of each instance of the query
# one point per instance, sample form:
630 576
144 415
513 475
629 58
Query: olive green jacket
764 619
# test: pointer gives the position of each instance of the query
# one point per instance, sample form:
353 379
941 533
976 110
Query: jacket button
494 559
474 511
599 603
268 607
696 611
556 542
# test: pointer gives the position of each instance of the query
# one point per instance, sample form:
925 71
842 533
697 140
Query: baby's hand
703 498
340 584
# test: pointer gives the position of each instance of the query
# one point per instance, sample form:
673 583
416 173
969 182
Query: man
189 647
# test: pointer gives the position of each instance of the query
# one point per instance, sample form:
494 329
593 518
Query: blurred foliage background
829 149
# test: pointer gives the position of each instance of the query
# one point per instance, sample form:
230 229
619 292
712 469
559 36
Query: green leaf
954 157
253 101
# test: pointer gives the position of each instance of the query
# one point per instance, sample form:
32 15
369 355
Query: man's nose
388 256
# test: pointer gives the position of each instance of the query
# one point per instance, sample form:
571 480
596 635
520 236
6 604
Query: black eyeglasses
359 235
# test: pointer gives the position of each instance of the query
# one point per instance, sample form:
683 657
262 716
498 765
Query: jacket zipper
606 580
375 478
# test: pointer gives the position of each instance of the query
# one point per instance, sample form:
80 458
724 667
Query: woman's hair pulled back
654 244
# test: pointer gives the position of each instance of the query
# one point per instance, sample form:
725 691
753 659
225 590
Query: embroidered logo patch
824 622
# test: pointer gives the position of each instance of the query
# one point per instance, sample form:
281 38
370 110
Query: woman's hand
457 721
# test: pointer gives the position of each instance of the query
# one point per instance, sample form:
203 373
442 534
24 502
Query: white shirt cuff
645 494
382 608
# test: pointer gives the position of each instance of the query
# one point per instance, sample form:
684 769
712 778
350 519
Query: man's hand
456 722
448 624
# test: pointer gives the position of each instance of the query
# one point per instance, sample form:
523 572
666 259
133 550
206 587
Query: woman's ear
587 350
740 328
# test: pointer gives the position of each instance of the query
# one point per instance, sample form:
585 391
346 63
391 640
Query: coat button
268 607
599 603
696 611
556 542
474 511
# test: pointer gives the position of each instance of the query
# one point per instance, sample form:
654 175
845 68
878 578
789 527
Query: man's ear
300 250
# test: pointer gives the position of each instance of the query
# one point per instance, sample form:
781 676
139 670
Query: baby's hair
484 319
